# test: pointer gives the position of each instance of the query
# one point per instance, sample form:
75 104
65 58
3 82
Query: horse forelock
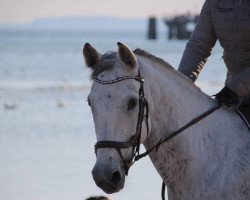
107 62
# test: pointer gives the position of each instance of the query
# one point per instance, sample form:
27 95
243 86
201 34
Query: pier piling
152 28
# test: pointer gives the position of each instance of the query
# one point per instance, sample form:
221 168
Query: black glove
227 98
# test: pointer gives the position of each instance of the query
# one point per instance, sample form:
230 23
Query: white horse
209 160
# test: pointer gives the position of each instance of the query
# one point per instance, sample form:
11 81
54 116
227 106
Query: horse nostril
116 178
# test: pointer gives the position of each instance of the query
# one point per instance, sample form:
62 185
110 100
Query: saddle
244 112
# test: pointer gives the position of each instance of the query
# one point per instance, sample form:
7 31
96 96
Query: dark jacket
229 22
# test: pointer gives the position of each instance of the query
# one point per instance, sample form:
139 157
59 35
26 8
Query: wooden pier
181 26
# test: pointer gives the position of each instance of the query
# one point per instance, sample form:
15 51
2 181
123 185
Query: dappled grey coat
229 22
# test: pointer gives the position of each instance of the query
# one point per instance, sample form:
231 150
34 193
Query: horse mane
143 53
150 56
166 65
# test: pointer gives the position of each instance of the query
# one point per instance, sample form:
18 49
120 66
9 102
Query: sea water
46 128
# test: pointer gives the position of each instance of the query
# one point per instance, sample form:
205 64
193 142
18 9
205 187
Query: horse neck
173 102
173 99
187 161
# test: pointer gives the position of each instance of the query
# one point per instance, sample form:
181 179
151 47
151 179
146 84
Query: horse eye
132 103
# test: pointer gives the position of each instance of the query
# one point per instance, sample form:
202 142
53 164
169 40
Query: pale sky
28 10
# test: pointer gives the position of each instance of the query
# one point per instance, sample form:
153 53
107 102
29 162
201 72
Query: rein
134 141
161 141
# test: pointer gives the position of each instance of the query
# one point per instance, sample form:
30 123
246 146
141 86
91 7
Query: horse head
118 108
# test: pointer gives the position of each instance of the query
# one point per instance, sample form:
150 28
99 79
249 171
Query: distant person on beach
228 22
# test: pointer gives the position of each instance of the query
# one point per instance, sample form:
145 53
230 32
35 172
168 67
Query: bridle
134 140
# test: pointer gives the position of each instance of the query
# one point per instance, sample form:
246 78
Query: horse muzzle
110 181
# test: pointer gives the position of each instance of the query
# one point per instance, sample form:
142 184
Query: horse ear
126 55
91 56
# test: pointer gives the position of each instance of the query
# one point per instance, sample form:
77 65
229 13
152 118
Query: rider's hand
227 97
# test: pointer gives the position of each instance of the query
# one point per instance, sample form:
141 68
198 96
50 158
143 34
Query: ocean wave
38 85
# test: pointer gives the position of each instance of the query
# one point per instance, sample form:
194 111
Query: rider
229 22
